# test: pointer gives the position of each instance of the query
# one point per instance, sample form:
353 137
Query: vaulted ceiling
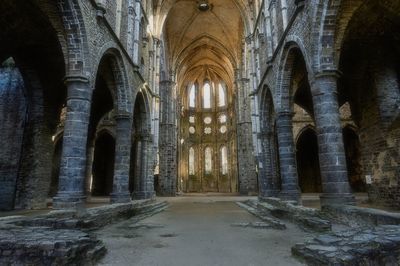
203 42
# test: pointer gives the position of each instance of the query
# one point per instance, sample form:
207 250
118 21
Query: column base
290 195
167 193
268 194
67 200
139 195
120 198
337 199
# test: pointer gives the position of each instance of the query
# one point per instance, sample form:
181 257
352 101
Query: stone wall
13 107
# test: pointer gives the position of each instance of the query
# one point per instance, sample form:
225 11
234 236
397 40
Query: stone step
272 222
307 218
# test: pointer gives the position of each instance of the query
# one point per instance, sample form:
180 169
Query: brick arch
142 98
304 129
267 107
291 50
121 89
76 37
323 32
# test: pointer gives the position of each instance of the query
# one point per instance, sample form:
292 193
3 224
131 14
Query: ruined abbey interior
111 106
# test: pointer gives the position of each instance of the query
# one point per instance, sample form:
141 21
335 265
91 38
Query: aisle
198 231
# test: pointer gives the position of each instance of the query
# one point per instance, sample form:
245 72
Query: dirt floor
199 231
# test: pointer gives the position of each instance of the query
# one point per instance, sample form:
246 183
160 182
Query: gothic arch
303 129
78 49
290 53
121 90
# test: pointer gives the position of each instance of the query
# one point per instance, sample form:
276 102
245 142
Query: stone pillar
122 159
136 33
266 182
145 188
168 140
245 153
288 168
71 187
332 158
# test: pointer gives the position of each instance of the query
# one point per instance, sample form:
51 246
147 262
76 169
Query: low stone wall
64 237
356 216
45 246
377 246
92 218
308 218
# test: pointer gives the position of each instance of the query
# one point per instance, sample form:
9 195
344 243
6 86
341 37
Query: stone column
245 152
288 168
71 189
267 188
332 158
145 188
122 159
168 140
136 33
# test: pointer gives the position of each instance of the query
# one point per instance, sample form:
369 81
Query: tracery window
207 95
221 95
192 96
208 160
224 160
191 161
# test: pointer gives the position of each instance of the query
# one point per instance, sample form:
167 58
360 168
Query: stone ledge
307 218
378 246
57 238
252 208
45 246
357 216
93 218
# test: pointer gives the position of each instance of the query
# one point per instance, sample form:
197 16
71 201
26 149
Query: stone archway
141 174
103 165
308 162
32 94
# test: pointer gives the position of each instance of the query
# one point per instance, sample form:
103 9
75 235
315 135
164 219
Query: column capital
122 116
78 88
333 73
167 82
324 82
75 78
285 113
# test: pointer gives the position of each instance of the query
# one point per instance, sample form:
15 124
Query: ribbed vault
202 42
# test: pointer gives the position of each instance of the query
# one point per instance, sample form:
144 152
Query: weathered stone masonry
121 67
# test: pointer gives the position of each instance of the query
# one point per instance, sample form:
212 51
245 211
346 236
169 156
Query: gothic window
221 95
207 120
222 119
224 160
191 119
223 129
192 96
208 160
191 161
207 95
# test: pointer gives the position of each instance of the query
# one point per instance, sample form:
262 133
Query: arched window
208 160
192 96
224 160
191 161
207 95
221 95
